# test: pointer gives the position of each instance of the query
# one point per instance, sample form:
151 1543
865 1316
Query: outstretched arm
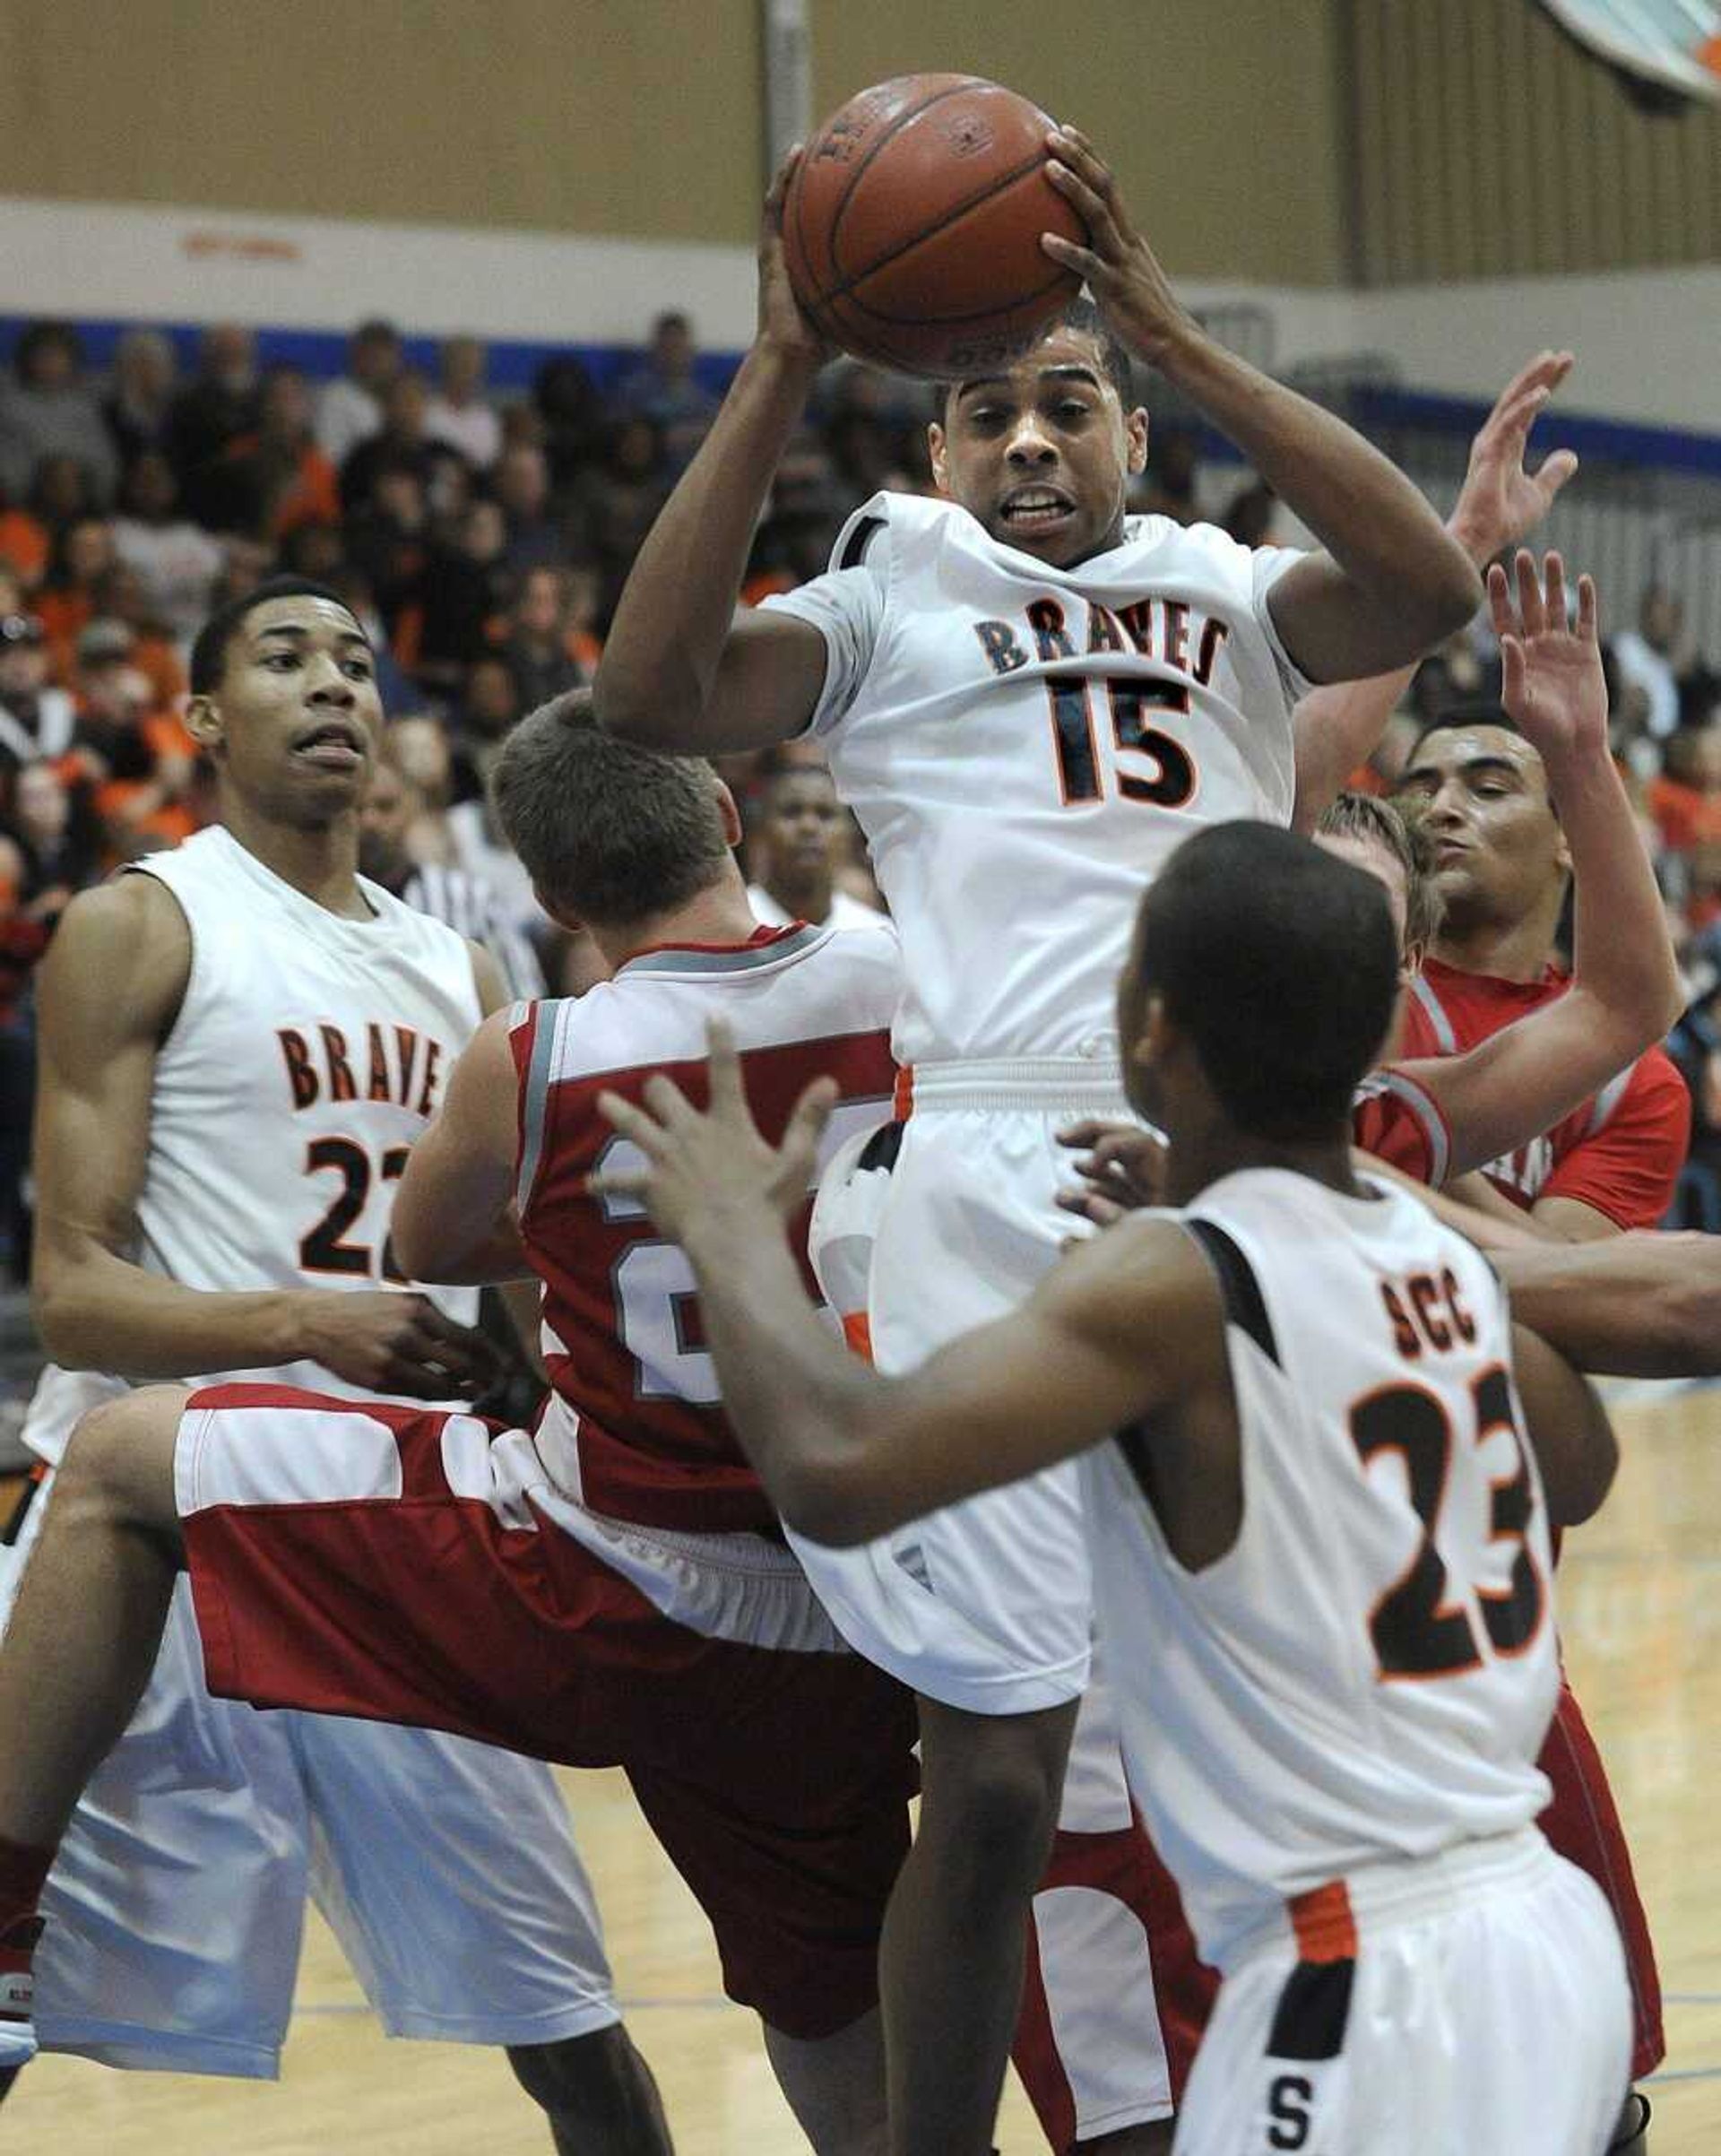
453 1217
1624 991
1500 502
1392 583
1642 1305
844 1453
681 669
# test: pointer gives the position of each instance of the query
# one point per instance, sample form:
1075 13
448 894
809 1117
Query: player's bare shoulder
120 959
1145 1277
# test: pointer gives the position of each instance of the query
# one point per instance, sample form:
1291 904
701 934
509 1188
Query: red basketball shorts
413 1565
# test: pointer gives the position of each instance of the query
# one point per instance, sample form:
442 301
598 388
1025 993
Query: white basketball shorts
986 1606
175 1909
1472 2005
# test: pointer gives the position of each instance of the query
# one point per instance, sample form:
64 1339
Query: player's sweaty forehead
298 620
1064 359
1474 751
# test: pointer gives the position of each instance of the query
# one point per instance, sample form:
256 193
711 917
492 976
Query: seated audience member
613 506
520 485
402 440
490 708
139 759
540 646
175 561
82 554
419 744
138 408
571 415
1646 661
23 545
665 390
47 409
461 414
1684 799
795 850
36 715
121 596
349 410
389 538
461 602
392 812
61 493
276 478
209 414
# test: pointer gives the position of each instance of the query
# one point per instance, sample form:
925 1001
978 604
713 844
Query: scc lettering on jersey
1165 775
395 1064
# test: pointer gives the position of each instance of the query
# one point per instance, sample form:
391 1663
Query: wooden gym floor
1641 1612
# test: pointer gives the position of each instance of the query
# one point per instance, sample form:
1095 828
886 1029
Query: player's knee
997 1798
119 1458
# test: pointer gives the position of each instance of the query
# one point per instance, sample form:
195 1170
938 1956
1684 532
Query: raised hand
1501 500
1118 266
781 323
1553 688
699 1168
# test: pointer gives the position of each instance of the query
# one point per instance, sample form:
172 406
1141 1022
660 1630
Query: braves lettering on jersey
308 1054
633 1430
1030 743
1368 1674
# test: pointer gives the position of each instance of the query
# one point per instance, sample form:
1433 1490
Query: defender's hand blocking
1118 266
781 323
716 1166
1553 686
1501 500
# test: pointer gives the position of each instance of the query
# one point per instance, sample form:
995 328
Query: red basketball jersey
632 1429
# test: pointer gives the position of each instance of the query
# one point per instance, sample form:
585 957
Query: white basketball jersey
1368 1673
1023 746
309 1051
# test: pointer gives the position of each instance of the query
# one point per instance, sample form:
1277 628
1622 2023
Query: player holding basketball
239 1045
1319 1534
1027 701
611 1588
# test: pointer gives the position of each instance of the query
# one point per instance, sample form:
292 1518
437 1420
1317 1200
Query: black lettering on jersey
1425 1299
1104 631
1212 636
999 641
427 1094
407 1040
1287 2111
1427 1312
1137 622
1404 1335
1177 634
1051 639
1463 1323
341 1081
301 1075
382 1084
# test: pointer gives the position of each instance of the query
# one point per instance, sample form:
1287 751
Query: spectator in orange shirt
23 545
276 477
121 596
82 554
139 759
1685 797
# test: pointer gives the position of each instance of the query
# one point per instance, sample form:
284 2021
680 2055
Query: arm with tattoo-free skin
682 668
844 1453
1501 501
1643 1304
1393 582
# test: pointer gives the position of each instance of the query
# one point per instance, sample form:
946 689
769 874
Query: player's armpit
453 1219
1122 1328
1575 1445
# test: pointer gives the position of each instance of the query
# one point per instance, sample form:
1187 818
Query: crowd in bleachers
482 540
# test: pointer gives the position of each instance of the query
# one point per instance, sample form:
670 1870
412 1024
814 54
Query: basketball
912 225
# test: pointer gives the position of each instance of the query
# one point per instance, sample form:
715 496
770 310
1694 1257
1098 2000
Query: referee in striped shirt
464 902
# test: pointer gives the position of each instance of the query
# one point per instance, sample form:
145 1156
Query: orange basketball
912 227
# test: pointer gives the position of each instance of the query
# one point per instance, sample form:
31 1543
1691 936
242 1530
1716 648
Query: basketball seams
950 90
954 216
980 314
